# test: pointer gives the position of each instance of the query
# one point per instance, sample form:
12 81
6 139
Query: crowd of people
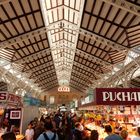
67 126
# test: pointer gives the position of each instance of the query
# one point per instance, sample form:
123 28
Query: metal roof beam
43 69
78 83
53 26
137 79
44 74
63 76
4 1
34 55
125 5
92 57
83 75
80 74
47 88
16 81
47 79
97 74
103 40
84 78
91 35
23 37
63 67
79 80
42 77
77 88
44 65
41 83
48 83
128 68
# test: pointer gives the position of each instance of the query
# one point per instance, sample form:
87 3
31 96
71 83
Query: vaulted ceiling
66 42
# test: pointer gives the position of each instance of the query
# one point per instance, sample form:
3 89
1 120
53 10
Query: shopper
48 134
8 136
29 133
57 119
124 134
78 132
39 129
111 136
94 135
138 132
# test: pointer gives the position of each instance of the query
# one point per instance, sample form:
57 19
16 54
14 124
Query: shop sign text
9 98
118 96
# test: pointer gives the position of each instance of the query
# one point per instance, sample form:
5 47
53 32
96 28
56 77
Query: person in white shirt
29 133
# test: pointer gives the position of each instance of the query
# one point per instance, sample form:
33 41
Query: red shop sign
9 98
118 96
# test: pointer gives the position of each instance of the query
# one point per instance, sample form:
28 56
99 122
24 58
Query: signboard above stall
10 98
118 96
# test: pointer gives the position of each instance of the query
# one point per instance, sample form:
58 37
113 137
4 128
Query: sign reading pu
118 96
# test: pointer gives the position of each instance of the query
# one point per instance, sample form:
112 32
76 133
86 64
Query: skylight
61 16
7 67
131 56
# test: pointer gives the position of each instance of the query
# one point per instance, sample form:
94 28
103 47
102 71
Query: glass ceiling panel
66 2
131 56
66 38
53 3
55 16
137 73
66 14
48 4
59 2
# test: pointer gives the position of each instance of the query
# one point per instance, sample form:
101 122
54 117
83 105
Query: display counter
103 134
92 126
20 137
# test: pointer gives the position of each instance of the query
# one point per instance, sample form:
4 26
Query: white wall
29 113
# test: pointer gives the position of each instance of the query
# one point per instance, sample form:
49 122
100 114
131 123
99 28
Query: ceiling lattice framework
62 37
112 23
19 17
72 42
3 86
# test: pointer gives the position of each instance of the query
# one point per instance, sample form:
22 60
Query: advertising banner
118 96
31 101
10 98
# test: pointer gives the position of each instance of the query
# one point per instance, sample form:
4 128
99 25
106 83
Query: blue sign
32 101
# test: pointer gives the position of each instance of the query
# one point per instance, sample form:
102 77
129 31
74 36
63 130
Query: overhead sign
63 89
31 101
10 98
118 96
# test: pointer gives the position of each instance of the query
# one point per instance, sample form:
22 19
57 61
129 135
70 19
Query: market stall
115 106
10 112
